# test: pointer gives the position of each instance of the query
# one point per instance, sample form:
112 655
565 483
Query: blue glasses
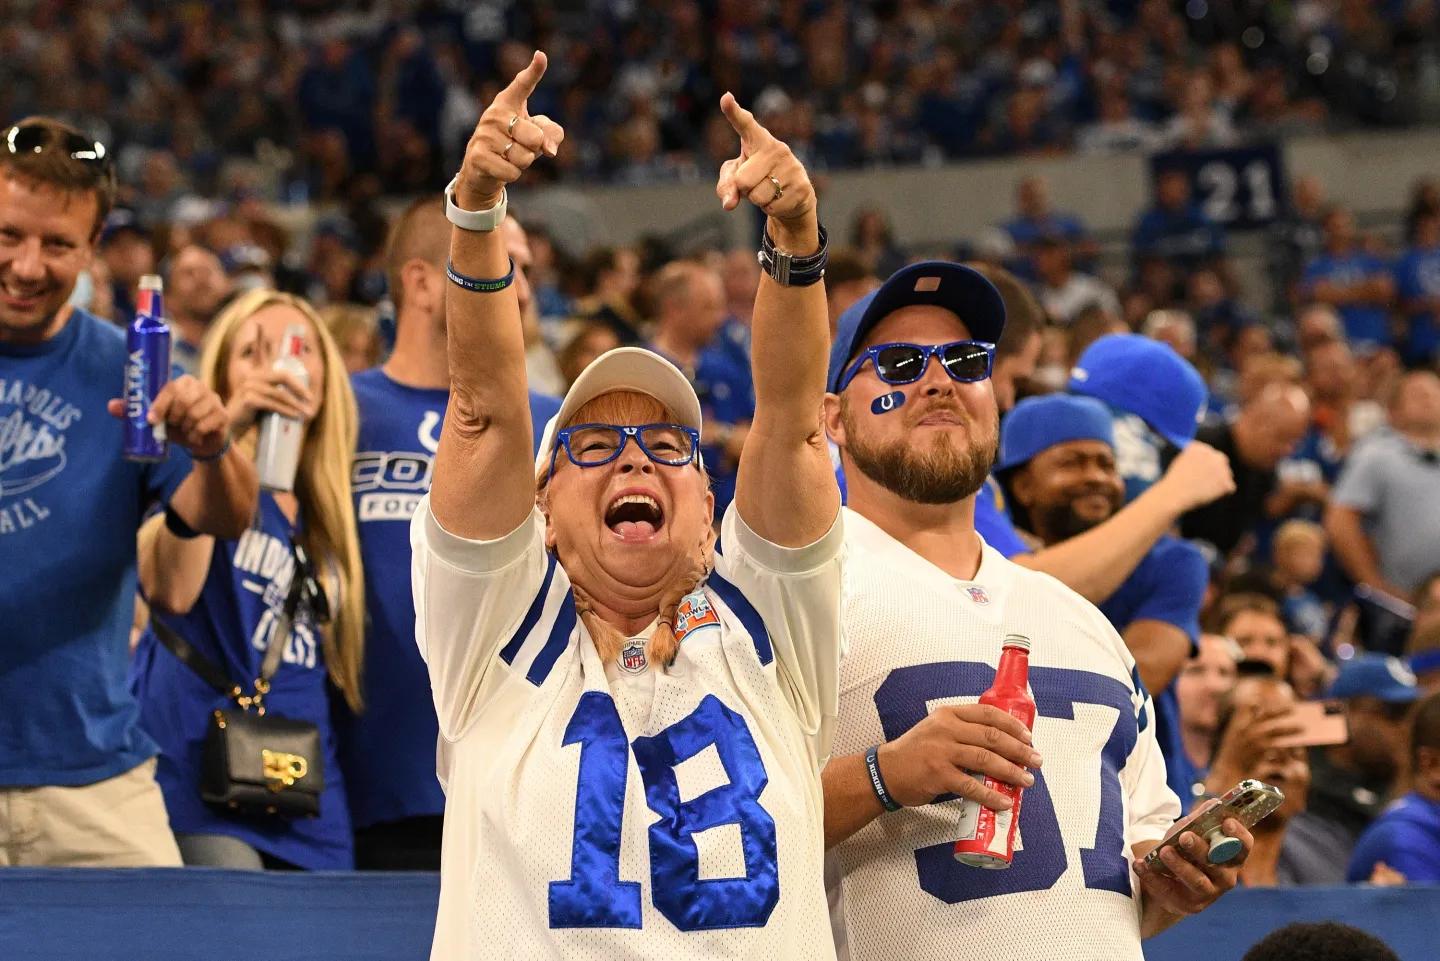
590 445
967 361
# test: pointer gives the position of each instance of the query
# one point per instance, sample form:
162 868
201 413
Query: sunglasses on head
34 138
590 445
967 361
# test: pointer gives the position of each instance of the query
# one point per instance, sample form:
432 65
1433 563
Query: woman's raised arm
483 485
785 490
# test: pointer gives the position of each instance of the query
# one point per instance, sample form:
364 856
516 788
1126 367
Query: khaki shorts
116 823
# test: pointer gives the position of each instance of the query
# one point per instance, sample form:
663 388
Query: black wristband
176 525
477 284
791 271
872 764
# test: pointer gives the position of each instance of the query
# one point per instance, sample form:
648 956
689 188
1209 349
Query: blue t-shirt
734 342
1139 452
69 509
1023 230
388 752
230 625
1364 323
1168 586
1188 237
1406 837
993 523
1417 274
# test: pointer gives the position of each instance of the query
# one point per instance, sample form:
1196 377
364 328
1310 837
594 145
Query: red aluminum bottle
987 838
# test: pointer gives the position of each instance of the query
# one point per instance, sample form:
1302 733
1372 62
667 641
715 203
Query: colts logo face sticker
888 402
693 614
632 658
978 595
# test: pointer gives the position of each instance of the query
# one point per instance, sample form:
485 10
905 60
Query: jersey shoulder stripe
745 611
545 631
532 616
556 643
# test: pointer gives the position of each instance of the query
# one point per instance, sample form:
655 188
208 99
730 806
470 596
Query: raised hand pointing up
506 141
766 173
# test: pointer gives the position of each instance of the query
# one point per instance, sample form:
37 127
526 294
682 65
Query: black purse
255 763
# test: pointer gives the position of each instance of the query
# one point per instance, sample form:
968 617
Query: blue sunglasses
590 445
967 361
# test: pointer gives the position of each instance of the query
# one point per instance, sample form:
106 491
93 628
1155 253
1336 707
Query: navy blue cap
119 220
1375 675
938 283
1039 423
1146 378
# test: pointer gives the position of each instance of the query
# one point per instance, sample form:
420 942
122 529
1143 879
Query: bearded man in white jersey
912 411
631 724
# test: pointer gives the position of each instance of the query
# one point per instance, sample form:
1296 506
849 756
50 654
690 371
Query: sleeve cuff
482 557
787 560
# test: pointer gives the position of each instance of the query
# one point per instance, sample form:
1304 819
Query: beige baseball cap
625 368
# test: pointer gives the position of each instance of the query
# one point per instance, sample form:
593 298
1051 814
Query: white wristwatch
480 221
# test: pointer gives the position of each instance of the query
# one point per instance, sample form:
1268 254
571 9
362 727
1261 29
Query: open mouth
635 517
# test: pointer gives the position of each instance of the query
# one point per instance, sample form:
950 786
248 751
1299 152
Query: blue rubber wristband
478 285
872 764
213 457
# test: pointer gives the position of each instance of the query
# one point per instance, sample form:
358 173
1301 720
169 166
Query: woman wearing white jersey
630 738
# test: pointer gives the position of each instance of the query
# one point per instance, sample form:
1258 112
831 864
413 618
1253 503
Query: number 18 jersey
601 811
920 639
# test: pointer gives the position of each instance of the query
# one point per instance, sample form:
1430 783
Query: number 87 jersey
628 810
920 639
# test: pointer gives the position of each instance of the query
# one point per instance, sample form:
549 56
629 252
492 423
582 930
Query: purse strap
303 587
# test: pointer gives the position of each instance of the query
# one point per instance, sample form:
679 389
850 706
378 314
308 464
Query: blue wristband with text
478 285
872 764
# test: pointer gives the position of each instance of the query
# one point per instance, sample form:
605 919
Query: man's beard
944 474
1060 522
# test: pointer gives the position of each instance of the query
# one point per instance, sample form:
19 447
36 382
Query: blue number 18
594 897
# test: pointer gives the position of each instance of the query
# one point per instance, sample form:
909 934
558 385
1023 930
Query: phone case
1248 802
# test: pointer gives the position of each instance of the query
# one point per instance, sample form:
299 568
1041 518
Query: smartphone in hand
1320 723
1248 802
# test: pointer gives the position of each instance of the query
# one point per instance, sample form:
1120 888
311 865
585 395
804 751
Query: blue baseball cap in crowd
1146 378
120 220
1375 675
1039 423
938 283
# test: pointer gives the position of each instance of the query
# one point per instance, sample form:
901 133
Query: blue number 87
595 897
903 701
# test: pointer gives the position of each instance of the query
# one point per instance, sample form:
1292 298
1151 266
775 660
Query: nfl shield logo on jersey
632 658
978 595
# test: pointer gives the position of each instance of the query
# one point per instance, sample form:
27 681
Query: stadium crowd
1313 574
343 98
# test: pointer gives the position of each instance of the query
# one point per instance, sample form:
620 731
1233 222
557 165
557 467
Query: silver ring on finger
505 151
510 128
779 190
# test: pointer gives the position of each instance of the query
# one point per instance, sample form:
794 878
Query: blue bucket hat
1146 378
1039 423
960 290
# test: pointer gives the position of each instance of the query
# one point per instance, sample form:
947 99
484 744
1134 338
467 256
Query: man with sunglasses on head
77 780
912 409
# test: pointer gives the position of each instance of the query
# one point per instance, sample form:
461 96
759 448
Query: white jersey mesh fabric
918 639
607 811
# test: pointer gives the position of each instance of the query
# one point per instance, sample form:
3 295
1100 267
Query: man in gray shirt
1384 513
